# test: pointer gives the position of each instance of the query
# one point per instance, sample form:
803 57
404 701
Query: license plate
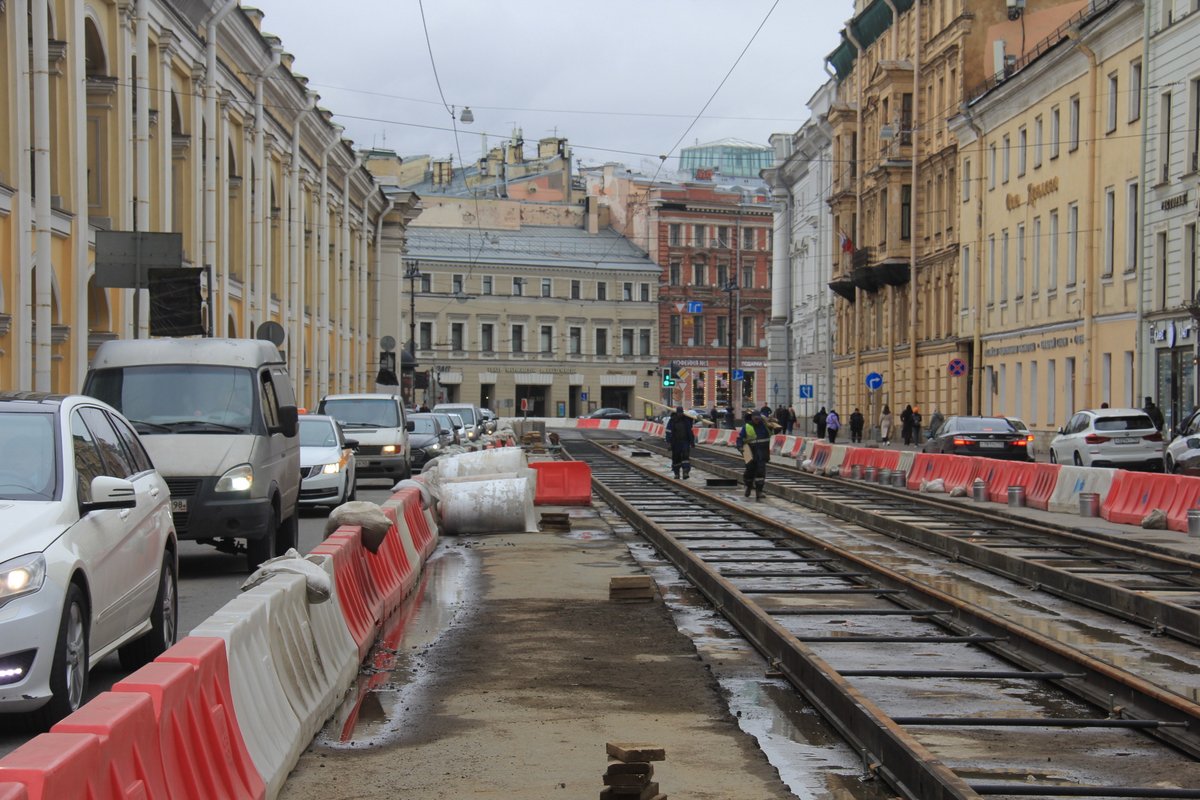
1127 440
179 506
992 445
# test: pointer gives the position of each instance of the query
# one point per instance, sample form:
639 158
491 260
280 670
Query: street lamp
731 287
412 272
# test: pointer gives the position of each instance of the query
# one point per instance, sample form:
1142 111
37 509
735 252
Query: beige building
895 200
1050 154
182 117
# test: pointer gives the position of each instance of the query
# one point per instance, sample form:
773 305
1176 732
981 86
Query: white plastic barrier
335 646
906 461
484 462
488 504
1072 481
837 454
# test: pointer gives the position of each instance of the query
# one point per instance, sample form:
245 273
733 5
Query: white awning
533 379
618 380
450 378
576 379
487 377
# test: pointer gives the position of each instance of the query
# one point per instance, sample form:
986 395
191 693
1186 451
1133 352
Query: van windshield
466 412
179 398
361 412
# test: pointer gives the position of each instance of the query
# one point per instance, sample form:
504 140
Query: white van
219 419
379 425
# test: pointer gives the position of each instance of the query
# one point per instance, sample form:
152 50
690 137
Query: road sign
739 374
524 403
695 307
583 395
874 381
806 391
957 367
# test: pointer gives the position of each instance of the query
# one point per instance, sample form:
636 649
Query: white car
327 468
1182 455
1109 437
88 560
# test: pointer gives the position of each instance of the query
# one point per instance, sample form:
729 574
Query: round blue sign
874 381
957 367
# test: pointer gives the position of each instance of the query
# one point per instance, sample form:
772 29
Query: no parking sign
957 367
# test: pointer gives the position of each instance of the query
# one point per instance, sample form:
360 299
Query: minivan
380 426
470 414
219 419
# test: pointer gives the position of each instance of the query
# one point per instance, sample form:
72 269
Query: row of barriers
227 711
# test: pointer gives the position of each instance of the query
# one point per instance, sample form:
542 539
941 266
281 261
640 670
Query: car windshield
1133 422
179 398
467 414
363 412
423 425
456 420
29 469
984 425
317 433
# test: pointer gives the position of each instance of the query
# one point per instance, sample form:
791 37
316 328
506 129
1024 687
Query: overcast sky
620 79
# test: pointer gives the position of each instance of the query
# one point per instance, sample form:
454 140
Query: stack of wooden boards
631 588
630 774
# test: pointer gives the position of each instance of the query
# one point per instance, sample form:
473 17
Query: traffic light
668 376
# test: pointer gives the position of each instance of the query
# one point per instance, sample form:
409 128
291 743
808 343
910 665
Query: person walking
713 416
935 422
754 443
856 426
885 425
791 419
681 435
1155 414
906 422
765 411
819 421
916 425
833 424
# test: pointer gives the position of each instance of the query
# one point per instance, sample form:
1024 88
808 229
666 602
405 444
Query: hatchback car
1109 437
1182 455
460 427
327 464
87 551
608 413
429 438
990 437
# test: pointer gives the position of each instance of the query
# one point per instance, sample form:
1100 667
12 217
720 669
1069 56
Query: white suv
1109 437
1183 453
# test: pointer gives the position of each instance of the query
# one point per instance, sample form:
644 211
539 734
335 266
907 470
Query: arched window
100 88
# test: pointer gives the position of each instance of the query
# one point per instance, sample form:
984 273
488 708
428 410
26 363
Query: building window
965 277
722 331
674 237
675 335
992 168
698 235
1022 148
1135 91
426 283
1194 134
1131 227
1189 262
1160 240
1036 275
456 337
576 291
1074 125
1110 231
1164 138
601 342
425 332
1052 281
601 290
575 341
966 180
748 338
1055 132
722 274
1020 294
644 341
547 339
698 273
906 211
518 287
1003 266
673 273
487 337
627 291
627 341
697 331
518 338
722 236
644 292
547 287
486 283
1072 243
456 284
991 288
1112 103
747 277
1006 159
1037 142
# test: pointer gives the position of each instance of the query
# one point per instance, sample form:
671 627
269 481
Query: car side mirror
289 421
351 443
410 426
1061 431
110 492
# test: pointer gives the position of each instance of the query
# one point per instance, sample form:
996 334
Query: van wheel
260 549
69 669
164 621
286 534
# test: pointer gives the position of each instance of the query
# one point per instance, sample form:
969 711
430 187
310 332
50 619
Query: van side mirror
289 421
410 426
351 443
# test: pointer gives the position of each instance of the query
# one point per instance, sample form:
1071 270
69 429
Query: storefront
1174 343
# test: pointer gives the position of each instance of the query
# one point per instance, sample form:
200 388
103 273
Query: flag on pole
845 241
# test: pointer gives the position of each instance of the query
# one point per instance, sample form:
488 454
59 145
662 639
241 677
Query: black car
990 437
428 439
608 413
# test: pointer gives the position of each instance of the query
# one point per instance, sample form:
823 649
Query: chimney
593 215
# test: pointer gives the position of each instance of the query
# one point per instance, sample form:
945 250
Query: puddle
587 536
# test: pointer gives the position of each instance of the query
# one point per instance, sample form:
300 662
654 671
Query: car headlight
470 434
238 479
23 575
435 446
331 469
388 449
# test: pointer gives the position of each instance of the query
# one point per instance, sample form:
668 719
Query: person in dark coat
916 425
1155 414
713 416
765 411
833 424
856 426
681 436
754 443
819 421
791 420
906 424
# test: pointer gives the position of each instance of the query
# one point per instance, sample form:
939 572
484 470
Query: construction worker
754 443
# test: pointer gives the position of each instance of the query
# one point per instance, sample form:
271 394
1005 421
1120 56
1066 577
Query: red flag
847 244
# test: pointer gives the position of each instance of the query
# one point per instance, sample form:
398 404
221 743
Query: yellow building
902 69
1050 155
181 117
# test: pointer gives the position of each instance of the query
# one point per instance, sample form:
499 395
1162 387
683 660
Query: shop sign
1172 203
1052 343
1033 193
1168 332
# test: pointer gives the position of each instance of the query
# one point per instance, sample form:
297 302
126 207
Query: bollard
856 472
979 490
900 479
1089 504
884 477
1016 496
1193 518
870 474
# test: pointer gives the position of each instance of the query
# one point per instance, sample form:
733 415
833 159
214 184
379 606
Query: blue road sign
957 367
806 391
583 395
874 381
738 374
695 307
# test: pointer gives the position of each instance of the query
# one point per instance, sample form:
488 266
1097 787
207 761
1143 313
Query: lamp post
412 272
731 287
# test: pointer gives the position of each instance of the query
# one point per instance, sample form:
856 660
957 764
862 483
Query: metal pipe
211 155
1091 285
18 40
976 374
321 328
80 227
1138 338
141 146
41 195
912 206
262 289
347 245
857 162
295 310
387 209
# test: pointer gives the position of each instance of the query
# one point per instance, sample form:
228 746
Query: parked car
327 463
991 437
470 414
1020 426
490 420
447 421
380 426
429 438
88 560
608 413
219 418
1109 437
460 427
1182 455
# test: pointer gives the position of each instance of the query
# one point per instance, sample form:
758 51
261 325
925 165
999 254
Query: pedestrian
1155 413
935 422
856 426
791 419
713 416
906 422
729 418
754 443
916 426
819 421
1104 404
681 435
885 425
765 411
833 424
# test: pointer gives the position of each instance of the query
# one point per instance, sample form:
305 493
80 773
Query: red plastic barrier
777 443
1134 494
797 446
424 538
1187 496
391 570
955 471
1041 487
998 475
58 766
820 454
198 715
13 791
130 751
587 423
563 483
361 604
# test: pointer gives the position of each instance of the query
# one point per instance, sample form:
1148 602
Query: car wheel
1053 456
164 621
1168 465
69 670
1078 459
261 549
288 534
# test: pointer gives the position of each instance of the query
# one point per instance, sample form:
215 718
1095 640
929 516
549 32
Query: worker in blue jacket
754 443
681 436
